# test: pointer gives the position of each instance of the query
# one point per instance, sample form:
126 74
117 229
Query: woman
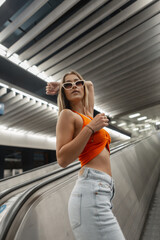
79 134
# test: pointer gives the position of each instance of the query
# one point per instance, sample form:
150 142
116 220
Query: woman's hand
52 88
99 121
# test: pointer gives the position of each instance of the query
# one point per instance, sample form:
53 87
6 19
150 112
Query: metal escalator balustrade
119 173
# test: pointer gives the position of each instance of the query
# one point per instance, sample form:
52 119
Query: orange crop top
96 143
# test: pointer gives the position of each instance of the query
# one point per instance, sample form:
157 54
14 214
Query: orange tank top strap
86 119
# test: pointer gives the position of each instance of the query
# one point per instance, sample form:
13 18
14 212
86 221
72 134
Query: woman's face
75 93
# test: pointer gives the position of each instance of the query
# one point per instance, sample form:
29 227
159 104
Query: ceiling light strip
1 2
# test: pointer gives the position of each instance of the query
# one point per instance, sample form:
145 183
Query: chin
76 98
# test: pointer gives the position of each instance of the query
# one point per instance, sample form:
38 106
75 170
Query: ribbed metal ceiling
115 44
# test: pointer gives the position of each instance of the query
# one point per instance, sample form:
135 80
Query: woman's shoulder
67 114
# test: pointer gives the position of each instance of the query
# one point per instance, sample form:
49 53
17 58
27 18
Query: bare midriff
101 162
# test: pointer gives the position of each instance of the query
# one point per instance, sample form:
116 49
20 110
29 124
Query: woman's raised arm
90 88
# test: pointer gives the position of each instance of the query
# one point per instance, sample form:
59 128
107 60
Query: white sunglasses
69 85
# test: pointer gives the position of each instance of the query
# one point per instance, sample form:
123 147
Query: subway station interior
115 44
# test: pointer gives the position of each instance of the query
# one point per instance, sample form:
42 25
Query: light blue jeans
89 207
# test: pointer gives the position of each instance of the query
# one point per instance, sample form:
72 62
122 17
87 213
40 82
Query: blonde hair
63 103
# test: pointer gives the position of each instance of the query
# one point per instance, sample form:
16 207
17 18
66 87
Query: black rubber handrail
34 169
8 191
31 170
14 188
14 209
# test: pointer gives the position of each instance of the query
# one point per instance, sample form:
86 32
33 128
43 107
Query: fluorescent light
15 132
2 52
24 64
4 85
34 69
1 2
27 95
53 106
42 75
30 133
97 108
15 58
50 79
157 123
131 125
2 127
51 139
142 118
113 122
148 120
145 129
100 110
22 131
34 98
23 93
3 47
121 124
116 133
135 129
134 115
147 125
10 129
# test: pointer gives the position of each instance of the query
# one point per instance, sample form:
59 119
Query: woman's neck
78 107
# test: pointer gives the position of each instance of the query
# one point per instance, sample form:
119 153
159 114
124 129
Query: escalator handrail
15 208
13 211
8 191
31 170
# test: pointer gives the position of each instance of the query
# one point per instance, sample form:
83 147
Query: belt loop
86 170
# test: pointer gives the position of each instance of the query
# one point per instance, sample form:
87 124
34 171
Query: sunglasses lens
79 83
67 85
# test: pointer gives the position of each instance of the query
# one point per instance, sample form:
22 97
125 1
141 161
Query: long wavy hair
63 103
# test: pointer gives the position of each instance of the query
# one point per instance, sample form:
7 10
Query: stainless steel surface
152 227
44 215
26 176
23 181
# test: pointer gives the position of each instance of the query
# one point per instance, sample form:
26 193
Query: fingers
106 120
104 116
49 89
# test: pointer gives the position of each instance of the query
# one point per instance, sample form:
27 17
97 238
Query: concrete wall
135 170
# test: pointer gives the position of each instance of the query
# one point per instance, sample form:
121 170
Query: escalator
40 210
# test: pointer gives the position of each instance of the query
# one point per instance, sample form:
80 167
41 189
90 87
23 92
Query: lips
75 91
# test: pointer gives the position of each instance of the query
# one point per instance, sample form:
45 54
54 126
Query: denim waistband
91 173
